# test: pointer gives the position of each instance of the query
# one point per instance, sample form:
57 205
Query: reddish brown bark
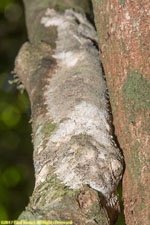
124 41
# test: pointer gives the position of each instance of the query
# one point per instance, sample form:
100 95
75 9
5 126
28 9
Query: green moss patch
122 2
135 164
48 128
136 93
101 2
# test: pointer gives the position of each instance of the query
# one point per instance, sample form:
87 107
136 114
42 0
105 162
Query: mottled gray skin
80 148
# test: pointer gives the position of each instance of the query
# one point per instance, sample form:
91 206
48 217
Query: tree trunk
124 40
77 163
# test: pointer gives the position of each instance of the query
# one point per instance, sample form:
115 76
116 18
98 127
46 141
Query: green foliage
10 114
10 177
121 219
3 214
16 166
4 4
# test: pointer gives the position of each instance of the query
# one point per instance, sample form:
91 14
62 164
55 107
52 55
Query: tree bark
77 163
124 37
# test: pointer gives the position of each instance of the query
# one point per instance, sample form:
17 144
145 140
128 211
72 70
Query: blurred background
16 150
16 166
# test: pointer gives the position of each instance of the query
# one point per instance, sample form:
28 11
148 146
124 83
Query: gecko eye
116 168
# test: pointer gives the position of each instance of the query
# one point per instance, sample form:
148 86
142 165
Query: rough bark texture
124 41
77 164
